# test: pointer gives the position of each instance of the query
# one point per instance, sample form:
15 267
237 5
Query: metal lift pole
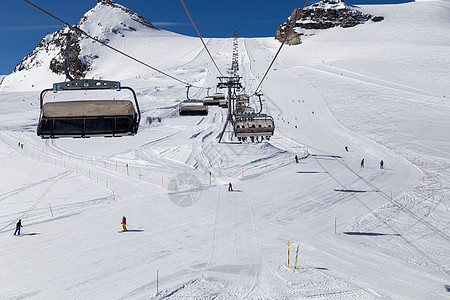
231 83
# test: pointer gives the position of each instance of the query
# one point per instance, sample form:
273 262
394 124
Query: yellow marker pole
296 257
289 247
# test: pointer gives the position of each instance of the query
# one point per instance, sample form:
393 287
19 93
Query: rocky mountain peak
322 15
106 21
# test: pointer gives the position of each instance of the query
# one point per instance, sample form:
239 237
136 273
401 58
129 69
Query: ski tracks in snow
53 180
234 267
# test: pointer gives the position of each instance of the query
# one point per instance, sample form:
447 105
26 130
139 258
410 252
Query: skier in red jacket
124 223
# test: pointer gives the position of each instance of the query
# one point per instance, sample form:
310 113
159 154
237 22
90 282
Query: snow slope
380 94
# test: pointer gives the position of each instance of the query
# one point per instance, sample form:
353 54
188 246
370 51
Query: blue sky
22 26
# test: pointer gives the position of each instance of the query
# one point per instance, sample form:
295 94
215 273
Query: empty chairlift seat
210 100
88 118
193 108
219 96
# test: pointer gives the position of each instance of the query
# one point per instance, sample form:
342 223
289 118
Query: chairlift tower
232 84
235 60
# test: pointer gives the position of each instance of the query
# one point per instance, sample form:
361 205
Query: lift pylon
232 84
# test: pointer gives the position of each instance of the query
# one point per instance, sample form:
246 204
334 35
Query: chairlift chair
223 103
254 125
210 101
88 118
193 108
219 96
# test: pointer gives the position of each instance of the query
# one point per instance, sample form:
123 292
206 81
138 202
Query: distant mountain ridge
105 21
322 15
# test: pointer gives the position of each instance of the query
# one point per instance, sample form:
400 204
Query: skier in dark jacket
230 187
296 159
381 164
18 225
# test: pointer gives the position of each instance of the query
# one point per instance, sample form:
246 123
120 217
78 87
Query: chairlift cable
204 45
282 44
110 47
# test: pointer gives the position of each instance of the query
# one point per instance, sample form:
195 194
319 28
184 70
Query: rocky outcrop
322 15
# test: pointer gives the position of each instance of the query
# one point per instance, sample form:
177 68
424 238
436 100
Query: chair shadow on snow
370 233
350 191
30 234
325 156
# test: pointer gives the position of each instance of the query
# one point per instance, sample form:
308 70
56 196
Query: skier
230 187
296 159
381 164
362 163
124 223
18 225
346 148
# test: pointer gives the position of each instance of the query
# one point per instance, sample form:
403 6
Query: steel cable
112 48
279 49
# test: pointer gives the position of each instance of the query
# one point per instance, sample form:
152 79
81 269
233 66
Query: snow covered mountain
375 92
322 15
107 21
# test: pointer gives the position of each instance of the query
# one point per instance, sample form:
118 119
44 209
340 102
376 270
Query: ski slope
363 233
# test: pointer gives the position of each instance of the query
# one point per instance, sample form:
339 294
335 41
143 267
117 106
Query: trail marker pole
51 211
296 257
289 248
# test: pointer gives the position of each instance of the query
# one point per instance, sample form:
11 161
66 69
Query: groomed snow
381 89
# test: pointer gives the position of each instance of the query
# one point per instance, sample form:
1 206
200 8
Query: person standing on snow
362 163
296 159
230 187
381 164
124 223
346 148
18 225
